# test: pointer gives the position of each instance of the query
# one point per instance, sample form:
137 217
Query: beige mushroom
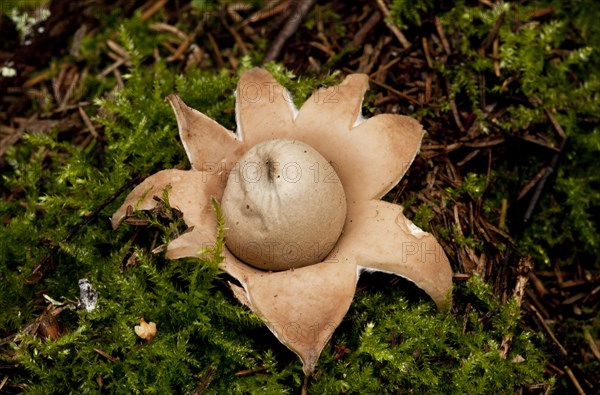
282 188
303 306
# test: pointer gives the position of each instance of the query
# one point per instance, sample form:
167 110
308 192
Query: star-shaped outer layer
302 307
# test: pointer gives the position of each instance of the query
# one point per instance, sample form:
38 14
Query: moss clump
407 345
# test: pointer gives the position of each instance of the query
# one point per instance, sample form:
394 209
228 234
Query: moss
473 185
405 14
423 216
390 341
301 87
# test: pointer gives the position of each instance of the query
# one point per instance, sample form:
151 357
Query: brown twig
456 249
394 91
204 381
544 325
150 9
574 380
426 51
217 52
536 102
249 372
440 31
88 123
489 40
542 12
537 193
3 382
361 35
496 56
15 136
394 29
267 12
531 183
555 124
525 266
466 318
453 107
106 355
549 169
503 211
288 30
592 343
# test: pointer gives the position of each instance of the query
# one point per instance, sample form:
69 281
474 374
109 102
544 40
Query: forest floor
507 92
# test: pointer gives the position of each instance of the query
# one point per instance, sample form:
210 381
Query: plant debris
146 330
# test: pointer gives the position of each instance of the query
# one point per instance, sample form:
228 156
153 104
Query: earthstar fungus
304 304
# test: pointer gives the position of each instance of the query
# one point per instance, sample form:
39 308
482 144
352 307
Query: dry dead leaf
145 330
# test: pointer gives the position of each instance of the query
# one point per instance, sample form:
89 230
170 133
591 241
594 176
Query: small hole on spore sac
248 206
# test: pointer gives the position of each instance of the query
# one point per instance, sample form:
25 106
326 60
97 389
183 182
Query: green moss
423 217
301 87
409 13
473 185
390 341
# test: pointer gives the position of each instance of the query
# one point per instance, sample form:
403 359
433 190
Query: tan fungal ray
381 238
209 146
336 107
264 109
372 157
301 307
191 244
188 191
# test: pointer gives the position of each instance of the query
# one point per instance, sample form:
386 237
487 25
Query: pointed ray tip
356 78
